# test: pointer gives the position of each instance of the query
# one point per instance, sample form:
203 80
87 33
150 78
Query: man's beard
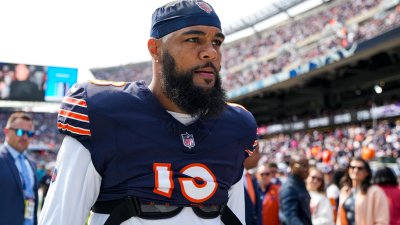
180 89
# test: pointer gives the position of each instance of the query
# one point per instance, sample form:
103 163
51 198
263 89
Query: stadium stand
343 142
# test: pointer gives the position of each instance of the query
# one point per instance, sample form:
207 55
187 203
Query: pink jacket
393 194
370 209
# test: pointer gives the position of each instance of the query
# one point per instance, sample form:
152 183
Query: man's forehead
201 30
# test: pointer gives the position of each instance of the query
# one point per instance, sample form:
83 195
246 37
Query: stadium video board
24 82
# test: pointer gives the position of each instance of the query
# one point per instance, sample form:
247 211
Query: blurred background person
333 188
22 88
269 194
252 195
294 199
45 181
274 170
360 202
386 179
18 186
5 80
320 206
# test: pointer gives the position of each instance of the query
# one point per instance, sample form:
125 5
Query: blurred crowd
336 146
344 170
131 72
306 194
295 42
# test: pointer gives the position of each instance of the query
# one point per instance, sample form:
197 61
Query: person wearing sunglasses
320 206
360 202
269 194
18 183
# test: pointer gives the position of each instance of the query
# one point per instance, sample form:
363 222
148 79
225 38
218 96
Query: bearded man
168 153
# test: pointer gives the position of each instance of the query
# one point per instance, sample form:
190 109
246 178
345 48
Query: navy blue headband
180 14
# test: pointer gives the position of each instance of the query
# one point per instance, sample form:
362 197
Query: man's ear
153 45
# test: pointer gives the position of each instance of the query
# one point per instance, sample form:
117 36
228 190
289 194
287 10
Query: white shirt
321 209
77 187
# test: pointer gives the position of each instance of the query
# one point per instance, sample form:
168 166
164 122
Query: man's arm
289 204
75 188
236 200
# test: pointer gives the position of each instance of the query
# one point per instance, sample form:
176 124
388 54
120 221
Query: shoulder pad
73 118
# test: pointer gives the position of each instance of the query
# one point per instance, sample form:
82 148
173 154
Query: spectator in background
252 193
359 201
333 188
22 88
45 181
41 170
19 194
294 200
273 169
269 194
320 206
387 180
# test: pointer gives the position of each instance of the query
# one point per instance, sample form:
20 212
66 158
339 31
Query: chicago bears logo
188 140
204 6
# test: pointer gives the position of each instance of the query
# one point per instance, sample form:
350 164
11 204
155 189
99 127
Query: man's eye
217 42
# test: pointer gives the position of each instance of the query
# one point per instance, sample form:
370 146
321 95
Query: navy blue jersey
139 149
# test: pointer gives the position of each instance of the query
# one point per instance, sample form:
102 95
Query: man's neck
159 94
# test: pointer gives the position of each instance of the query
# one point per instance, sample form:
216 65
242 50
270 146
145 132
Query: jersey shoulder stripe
72 129
74 115
73 118
74 101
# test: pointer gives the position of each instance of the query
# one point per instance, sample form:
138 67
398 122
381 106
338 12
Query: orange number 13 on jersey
198 187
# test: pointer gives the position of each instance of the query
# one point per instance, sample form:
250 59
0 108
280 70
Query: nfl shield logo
188 140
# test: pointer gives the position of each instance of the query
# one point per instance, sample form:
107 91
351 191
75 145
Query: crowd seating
295 43
383 139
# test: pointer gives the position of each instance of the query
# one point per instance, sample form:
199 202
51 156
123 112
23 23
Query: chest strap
123 209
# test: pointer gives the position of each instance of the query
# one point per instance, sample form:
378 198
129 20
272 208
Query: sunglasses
265 174
22 132
316 178
358 167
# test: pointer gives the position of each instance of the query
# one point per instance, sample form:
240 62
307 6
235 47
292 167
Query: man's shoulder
89 104
240 114
101 93
3 152
289 185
